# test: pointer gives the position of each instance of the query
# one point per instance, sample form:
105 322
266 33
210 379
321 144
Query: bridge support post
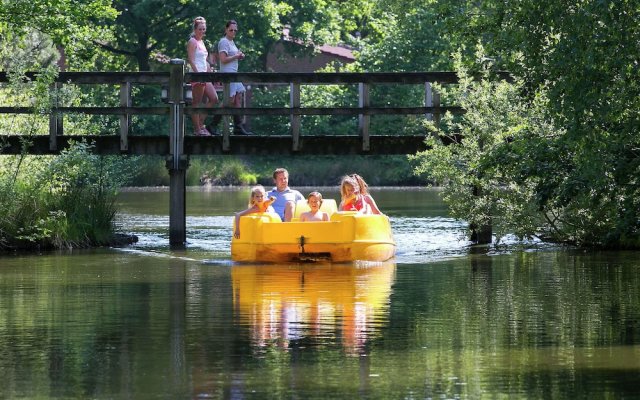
55 119
364 120
177 162
432 99
294 103
481 234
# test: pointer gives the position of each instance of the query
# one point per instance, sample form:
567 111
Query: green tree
147 29
477 171
583 54
66 24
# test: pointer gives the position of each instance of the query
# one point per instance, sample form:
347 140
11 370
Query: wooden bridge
176 147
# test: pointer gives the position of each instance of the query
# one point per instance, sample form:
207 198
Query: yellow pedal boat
348 236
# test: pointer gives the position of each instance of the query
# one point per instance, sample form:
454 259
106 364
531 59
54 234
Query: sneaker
213 129
203 132
240 130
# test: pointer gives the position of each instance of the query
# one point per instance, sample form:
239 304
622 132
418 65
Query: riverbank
303 171
22 246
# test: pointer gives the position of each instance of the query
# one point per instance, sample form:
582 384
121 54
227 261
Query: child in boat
257 204
315 202
364 191
352 199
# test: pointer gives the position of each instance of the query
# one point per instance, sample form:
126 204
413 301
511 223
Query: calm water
440 321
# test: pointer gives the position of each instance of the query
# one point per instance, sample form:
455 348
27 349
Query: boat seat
328 205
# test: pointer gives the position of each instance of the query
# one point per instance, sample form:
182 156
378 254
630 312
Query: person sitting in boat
257 204
314 199
352 199
364 191
286 197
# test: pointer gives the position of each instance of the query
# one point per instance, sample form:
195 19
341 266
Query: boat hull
348 236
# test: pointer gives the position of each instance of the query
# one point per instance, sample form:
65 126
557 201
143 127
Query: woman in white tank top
197 55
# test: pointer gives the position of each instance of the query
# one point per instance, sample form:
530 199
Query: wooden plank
364 119
92 78
125 120
55 119
294 104
353 111
176 113
428 99
113 77
336 78
162 110
344 78
212 145
226 101
261 77
437 113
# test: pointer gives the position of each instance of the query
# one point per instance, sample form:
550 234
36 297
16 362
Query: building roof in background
339 51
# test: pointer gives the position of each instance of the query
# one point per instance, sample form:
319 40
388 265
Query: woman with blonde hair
197 55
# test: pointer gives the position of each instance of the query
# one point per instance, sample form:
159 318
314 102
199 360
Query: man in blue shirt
286 197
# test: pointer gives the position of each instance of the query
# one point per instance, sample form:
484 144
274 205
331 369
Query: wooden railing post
226 132
428 99
125 120
437 115
295 118
177 162
364 120
432 99
55 118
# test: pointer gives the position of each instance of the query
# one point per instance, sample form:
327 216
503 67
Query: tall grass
60 201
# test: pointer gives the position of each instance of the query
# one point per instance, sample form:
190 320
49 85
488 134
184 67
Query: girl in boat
364 191
352 198
315 202
257 204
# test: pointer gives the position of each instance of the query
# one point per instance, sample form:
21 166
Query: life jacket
264 207
355 204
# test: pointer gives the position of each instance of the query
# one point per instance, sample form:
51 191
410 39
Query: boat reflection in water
313 304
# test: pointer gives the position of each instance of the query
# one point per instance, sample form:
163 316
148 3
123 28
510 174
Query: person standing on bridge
229 57
197 55
286 197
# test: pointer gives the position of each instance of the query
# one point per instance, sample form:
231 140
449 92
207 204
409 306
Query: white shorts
236 87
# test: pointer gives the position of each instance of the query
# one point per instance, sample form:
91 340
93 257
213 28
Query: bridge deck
241 145
176 146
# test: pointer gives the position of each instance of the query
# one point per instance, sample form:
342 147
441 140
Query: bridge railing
431 107
294 142
125 81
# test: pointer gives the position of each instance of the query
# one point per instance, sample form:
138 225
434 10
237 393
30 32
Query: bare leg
197 92
289 208
238 126
212 99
